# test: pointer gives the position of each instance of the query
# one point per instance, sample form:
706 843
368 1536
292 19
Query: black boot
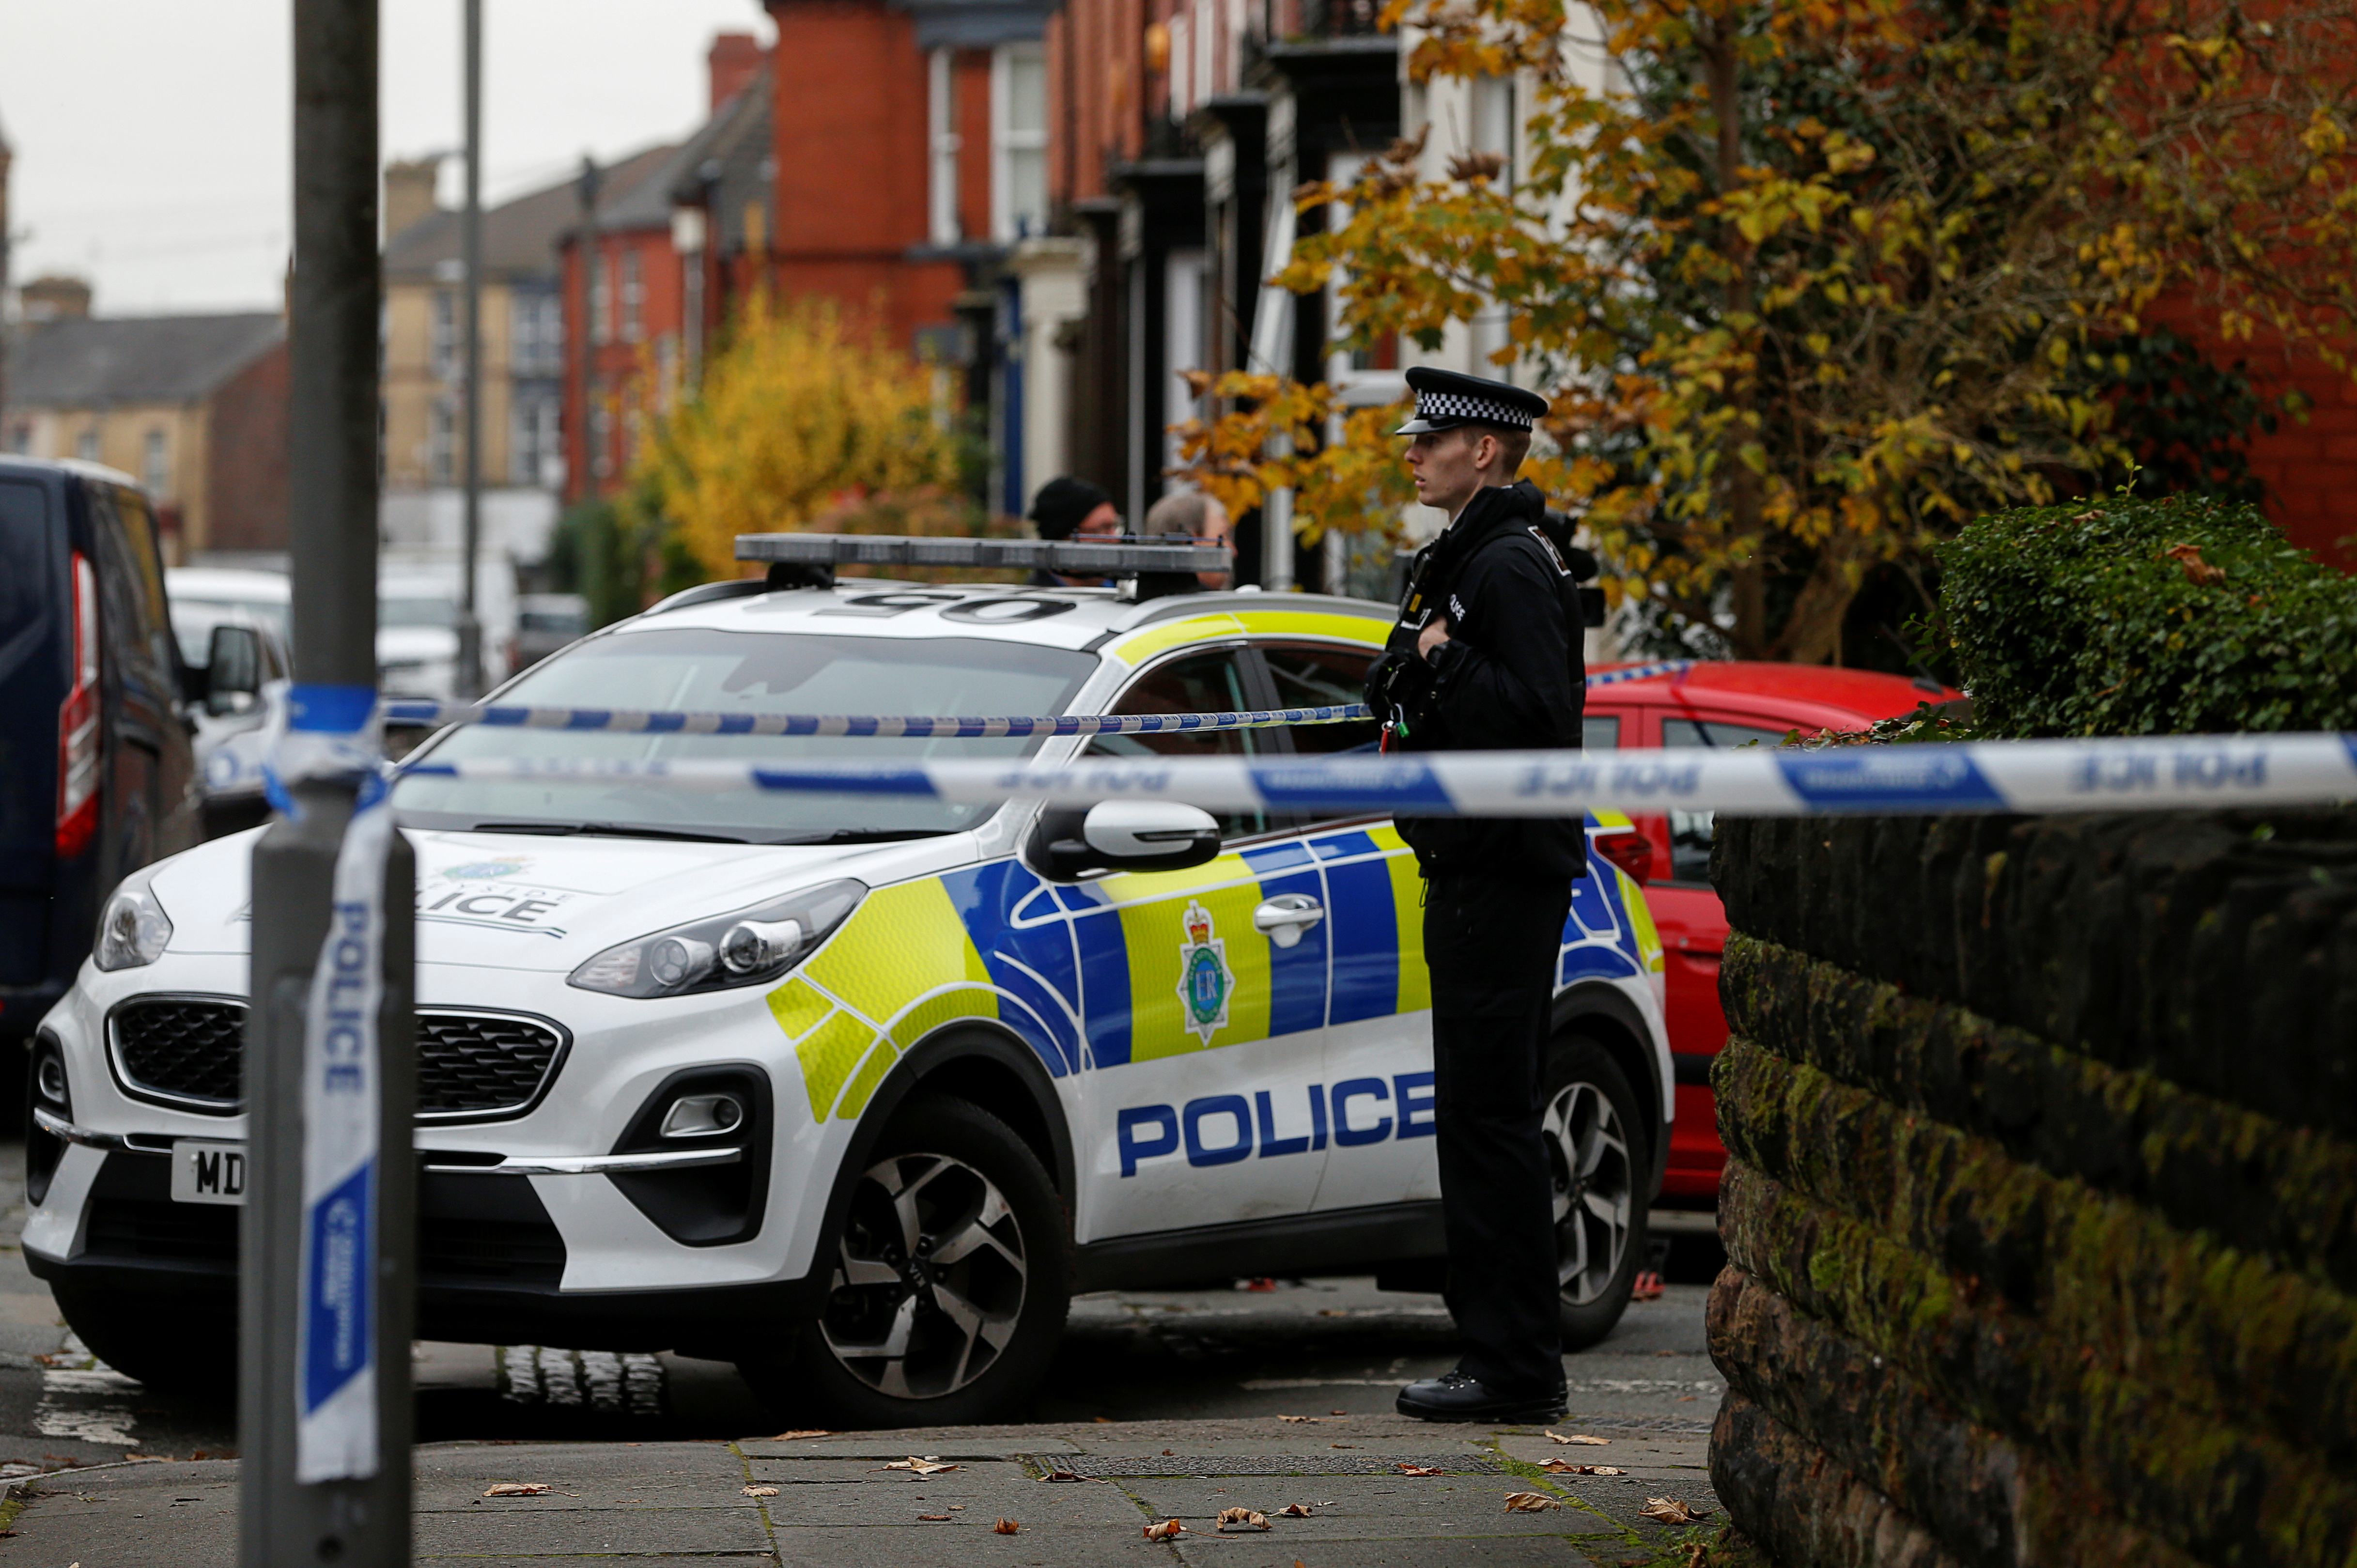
1460 1396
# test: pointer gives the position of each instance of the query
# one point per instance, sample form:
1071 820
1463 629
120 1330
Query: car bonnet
528 902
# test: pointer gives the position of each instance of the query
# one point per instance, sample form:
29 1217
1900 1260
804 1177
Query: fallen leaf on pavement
517 1489
1580 1437
1166 1529
1408 1469
1530 1502
1669 1510
1067 1476
1566 1467
932 1518
1243 1518
1005 1526
928 1466
1338 1412
1310 1419
791 1436
1293 1510
761 1491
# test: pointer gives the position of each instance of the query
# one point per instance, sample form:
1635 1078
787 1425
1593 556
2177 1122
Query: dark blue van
97 778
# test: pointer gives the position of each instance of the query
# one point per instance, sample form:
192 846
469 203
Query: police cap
1446 399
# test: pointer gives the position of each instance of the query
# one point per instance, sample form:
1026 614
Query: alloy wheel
1587 1155
928 1279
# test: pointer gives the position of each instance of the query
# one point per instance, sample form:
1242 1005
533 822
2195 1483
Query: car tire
155 1340
904 1340
1600 1158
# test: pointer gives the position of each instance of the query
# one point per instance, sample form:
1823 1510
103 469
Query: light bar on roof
1072 557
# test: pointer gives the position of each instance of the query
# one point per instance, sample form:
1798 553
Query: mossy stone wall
2041 1201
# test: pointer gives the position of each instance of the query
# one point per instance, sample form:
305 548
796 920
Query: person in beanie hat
1067 508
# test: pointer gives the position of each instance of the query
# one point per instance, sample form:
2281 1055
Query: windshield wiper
606 830
863 835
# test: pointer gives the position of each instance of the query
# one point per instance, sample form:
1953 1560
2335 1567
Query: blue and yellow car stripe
1097 975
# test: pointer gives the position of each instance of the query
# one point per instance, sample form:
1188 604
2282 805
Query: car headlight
744 948
133 929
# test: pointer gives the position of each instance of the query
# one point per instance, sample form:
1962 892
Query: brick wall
2042 1203
246 466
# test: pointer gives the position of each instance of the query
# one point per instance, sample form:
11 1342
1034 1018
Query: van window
27 572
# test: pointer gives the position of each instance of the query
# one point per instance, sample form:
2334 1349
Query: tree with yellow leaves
803 421
1811 282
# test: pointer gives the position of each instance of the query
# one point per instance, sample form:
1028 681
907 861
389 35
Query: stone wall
2041 1201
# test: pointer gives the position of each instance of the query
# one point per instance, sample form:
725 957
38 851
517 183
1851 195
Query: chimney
409 191
54 298
734 59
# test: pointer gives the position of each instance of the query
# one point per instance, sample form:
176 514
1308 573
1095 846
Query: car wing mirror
232 671
1122 835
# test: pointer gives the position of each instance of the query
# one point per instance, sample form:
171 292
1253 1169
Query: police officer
1486 655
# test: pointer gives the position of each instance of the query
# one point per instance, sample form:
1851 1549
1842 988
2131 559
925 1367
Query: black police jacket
1511 677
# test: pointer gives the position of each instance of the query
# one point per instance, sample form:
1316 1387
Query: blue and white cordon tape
2144 773
331 732
641 721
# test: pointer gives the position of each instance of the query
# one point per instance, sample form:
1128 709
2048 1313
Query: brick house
194 407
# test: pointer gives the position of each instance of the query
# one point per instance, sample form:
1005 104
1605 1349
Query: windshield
746 672
416 611
193 621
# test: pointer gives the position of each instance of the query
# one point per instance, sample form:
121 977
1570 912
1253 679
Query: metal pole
470 224
332 458
585 188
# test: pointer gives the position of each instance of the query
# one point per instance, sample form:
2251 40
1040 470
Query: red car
1717 704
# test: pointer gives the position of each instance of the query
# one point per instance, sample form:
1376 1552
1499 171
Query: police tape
2141 774
645 721
331 732
641 721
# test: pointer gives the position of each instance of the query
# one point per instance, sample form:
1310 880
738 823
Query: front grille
190 1051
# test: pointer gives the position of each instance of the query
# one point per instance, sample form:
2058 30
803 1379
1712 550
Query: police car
857 1090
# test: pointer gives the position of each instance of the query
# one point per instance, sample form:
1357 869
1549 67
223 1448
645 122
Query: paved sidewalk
836 1504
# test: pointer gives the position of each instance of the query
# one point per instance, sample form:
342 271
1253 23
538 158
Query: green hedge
2077 619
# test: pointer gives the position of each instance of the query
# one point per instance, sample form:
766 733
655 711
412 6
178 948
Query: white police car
856 1091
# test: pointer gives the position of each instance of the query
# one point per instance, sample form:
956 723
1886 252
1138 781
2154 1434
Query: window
634 298
445 362
86 444
532 438
441 442
1600 732
20 437
1195 683
1324 678
155 468
1690 831
941 140
601 442
1019 135
1183 66
534 347
601 297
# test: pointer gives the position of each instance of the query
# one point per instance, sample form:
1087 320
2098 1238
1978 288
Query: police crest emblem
1205 981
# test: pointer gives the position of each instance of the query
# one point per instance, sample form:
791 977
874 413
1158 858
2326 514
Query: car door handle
1283 918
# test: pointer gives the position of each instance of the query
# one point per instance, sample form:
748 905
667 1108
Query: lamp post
327 1243
470 229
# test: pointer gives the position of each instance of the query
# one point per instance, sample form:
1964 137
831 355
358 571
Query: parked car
1717 703
98 775
418 624
234 722
855 1089
546 622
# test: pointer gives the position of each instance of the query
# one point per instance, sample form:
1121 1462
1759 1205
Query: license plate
208 1173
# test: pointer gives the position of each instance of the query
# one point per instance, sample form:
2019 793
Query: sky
151 137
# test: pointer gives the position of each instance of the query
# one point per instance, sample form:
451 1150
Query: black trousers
1491 943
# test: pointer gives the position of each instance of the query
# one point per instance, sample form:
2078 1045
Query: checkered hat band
1458 405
